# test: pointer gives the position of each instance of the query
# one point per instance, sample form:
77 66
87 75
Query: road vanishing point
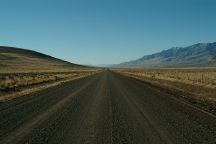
106 108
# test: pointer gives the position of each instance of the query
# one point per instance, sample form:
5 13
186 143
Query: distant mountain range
198 55
23 60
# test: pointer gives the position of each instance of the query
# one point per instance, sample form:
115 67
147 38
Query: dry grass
13 85
198 86
202 77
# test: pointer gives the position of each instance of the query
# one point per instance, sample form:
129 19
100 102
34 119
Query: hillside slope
198 55
23 60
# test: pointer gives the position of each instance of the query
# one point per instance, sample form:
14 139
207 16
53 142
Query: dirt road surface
106 108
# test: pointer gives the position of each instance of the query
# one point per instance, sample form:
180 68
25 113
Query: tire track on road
20 133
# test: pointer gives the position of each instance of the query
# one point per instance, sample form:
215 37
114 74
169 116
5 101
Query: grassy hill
23 60
198 55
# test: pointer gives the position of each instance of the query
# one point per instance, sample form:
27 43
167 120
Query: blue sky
105 31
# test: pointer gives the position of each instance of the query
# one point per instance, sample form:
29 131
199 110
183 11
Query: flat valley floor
106 108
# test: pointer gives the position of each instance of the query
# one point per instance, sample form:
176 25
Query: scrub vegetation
13 85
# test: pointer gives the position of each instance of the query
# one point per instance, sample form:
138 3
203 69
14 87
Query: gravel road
106 108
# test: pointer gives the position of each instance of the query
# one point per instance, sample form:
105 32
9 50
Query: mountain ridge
197 55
